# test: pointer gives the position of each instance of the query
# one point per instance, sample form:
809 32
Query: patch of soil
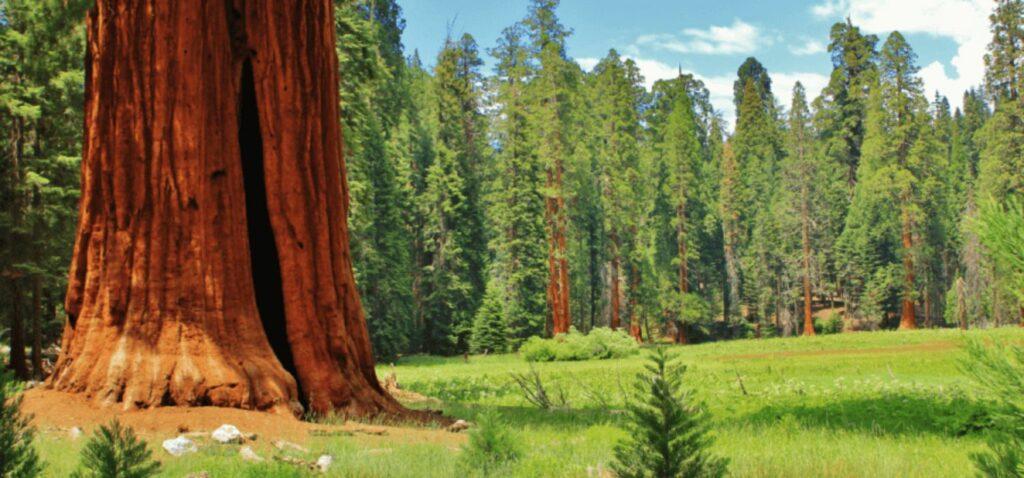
59 411
924 347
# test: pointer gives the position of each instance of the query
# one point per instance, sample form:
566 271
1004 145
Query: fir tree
668 431
18 457
490 329
114 451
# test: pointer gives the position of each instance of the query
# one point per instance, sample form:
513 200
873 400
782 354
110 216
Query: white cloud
738 38
782 85
963 21
587 63
808 47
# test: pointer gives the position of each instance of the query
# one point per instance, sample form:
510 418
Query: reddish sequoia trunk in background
634 291
908 319
805 216
558 262
616 296
212 164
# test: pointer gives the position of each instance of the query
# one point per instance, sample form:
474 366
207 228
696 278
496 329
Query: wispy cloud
807 47
738 38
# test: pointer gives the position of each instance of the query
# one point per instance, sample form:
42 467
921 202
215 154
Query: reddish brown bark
558 262
805 217
634 292
616 296
908 319
212 151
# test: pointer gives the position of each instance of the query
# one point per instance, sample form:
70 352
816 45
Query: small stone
458 426
248 454
227 434
198 474
287 445
324 463
75 433
180 446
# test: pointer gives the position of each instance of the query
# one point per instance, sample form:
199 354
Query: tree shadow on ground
886 415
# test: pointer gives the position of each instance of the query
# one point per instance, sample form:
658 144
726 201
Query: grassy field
867 404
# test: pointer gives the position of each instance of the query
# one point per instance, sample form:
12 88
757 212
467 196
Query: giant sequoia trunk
558 261
212 264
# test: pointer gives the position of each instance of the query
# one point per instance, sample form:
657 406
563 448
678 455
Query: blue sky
712 38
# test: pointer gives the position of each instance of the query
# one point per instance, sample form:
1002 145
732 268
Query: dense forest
488 207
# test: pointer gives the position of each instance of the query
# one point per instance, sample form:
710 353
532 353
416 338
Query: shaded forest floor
862 404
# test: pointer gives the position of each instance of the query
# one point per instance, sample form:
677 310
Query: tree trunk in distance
806 239
211 265
908 319
17 332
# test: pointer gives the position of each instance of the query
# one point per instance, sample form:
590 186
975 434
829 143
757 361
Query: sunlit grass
852 405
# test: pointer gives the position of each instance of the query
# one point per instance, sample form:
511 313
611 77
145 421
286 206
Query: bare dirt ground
57 412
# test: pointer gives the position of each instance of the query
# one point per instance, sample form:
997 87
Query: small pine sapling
491 445
668 435
114 451
18 458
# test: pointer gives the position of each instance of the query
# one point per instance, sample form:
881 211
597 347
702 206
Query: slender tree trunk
908 319
212 264
805 218
614 322
17 323
17 333
37 339
684 278
634 292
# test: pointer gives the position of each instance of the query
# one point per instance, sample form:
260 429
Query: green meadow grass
851 405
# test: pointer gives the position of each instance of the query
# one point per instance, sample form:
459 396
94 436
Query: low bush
833 324
114 451
600 343
18 457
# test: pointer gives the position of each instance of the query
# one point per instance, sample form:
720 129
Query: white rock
227 434
75 433
248 454
324 463
180 446
458 426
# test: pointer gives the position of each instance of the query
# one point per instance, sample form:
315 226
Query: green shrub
491 445
667 434
600 343
833 324
114 451
18 458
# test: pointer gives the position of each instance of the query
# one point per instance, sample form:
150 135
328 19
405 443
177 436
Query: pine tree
41 96
757 149
517 204
679 150
1001 139
453 281
18 457
801 177
114 451
550 108
668 432
618 95
888 214
490 328
372 105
